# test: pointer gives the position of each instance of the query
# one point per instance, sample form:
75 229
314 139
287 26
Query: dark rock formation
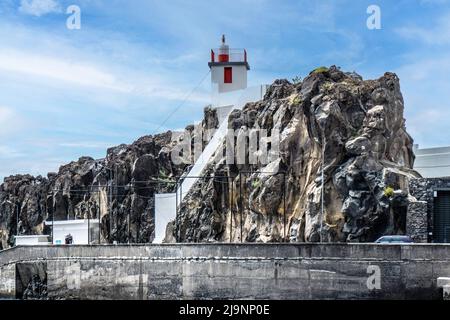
355 128
119 188
116 188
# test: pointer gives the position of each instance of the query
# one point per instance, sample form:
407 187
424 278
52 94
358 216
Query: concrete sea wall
228 271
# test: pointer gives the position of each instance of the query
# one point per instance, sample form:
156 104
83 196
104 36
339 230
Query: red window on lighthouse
228 75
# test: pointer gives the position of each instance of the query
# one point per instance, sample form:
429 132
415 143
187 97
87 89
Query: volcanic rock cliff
353 128
83 189
118 188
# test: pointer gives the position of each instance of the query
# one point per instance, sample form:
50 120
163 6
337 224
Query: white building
83 231
35 240
432 162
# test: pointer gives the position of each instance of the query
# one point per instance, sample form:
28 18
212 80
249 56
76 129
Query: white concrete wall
35 240
78 230
234 271
165 212
237 99
239 80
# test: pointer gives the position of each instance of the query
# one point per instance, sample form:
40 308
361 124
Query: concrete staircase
166 204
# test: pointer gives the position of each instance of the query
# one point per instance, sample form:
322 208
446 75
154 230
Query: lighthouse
229 69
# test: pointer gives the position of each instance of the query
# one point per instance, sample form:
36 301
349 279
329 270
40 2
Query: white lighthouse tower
229 69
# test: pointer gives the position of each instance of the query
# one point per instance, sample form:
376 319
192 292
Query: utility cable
182 103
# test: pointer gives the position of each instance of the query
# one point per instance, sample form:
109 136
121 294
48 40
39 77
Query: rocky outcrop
333 125
118 188
353 129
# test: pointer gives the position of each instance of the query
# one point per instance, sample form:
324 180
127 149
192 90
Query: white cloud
5 115
90 74
28 165
439 34
8 153
434 2
425 84
58 69
85 144
10 121
427 68
425 81
39 7
427 128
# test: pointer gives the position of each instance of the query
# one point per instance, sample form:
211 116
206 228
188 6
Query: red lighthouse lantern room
224 51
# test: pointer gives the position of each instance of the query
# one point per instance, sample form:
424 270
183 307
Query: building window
228 75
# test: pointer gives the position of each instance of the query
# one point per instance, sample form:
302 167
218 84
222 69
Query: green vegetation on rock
389 192
320 70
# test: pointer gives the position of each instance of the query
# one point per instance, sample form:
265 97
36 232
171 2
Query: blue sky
67 93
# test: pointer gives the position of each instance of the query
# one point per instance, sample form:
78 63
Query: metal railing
121 224
233 55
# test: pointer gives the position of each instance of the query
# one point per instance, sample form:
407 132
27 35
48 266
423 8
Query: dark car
395 239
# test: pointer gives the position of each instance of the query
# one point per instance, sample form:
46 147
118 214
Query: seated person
69 239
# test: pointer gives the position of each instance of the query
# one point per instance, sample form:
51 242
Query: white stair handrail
192 177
